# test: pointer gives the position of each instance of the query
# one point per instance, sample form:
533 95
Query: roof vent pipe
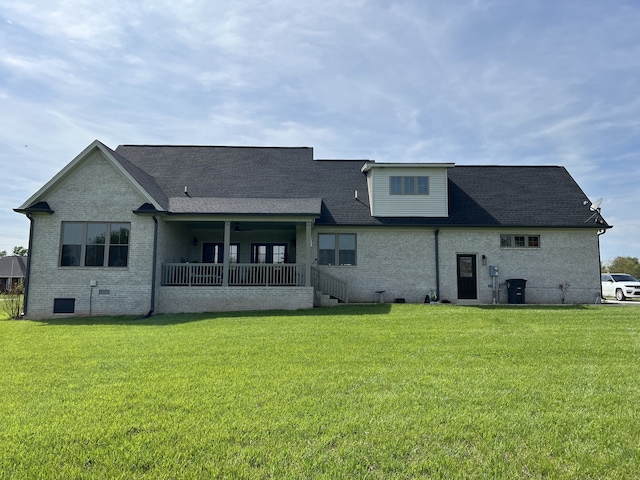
186 191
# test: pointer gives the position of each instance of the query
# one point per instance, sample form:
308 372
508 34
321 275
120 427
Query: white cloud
466 82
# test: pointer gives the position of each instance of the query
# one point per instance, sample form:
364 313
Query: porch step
327 300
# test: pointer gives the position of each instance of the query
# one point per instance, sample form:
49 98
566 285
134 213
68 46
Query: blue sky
472 82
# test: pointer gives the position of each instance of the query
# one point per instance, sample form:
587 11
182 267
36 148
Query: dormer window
409 185
408 189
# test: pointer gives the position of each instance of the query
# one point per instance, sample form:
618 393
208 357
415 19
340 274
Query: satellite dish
595 208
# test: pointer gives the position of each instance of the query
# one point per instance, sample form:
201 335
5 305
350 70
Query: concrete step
326 300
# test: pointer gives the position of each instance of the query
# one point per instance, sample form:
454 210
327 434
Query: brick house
161 229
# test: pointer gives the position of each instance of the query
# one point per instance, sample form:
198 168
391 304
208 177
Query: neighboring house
161 229
12 271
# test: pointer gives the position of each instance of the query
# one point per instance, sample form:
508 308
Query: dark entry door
467 281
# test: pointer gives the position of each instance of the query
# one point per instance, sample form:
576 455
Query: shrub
11 301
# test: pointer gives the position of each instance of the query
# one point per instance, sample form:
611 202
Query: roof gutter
39 207
149 209
154 267
437 250
27 275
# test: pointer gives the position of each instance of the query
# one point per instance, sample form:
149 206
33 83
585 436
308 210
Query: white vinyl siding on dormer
385 204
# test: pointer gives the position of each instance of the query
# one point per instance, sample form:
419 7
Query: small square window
519 241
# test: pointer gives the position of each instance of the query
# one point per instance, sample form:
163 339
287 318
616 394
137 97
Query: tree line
19 251
629 265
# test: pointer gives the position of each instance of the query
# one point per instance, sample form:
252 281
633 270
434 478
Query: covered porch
239 252
244 262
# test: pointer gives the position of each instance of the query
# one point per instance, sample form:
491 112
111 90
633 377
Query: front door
467 278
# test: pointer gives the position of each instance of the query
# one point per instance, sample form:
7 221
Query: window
94 244
64 305
520 241
336 249
118 244
96 239
409 185
214 252
72 235
268 253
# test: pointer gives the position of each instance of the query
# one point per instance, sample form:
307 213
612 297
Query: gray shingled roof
507 196
17 270
147 181
251 206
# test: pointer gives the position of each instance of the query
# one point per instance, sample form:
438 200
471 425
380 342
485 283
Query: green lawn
383 391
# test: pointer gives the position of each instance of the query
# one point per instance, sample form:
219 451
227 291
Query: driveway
613 301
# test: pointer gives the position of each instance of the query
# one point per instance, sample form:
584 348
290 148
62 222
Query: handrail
329 284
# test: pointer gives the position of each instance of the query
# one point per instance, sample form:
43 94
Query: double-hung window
409 185
336 249
94 244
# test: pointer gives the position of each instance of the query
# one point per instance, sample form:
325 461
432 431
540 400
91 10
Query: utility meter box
493 270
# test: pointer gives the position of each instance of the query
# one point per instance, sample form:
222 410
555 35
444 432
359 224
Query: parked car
620 285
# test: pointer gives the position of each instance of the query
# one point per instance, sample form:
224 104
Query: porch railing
190 274
253 274
329 284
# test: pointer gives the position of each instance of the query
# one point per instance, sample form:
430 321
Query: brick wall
402 262
564 257
93 191
399 261
221 299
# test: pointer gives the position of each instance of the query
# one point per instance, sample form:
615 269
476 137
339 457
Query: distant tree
3 253
20 251
629 265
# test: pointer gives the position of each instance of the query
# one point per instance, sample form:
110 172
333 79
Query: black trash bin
515 288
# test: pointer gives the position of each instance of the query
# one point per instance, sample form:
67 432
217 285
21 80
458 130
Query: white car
620 285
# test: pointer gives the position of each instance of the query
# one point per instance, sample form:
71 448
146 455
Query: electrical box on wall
493 270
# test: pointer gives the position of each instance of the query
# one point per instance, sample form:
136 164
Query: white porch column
307 273
225 256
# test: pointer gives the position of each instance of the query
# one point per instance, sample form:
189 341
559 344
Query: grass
383 391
